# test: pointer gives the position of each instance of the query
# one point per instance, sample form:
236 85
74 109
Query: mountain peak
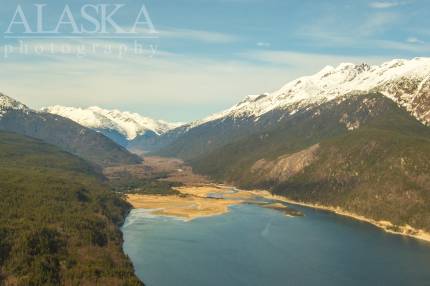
8 103
130 125
405 81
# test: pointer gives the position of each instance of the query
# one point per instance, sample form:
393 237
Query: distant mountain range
122 127
353 136
406 82
62 132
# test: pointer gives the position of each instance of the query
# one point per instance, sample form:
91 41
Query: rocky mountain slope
122 127
62 132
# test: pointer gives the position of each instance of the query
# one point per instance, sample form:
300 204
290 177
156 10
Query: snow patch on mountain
7 103
128 124
405 81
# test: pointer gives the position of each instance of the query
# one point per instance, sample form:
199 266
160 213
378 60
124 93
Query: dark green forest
59 223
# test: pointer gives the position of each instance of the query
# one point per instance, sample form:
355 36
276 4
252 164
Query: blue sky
209 54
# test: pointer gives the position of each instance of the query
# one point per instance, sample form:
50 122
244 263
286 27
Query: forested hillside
364 154
58 223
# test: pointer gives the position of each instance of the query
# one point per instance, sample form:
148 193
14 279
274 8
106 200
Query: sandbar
185 207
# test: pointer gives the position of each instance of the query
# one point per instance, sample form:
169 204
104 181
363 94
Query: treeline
156 184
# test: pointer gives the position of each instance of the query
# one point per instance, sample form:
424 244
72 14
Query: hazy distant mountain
354 137
62 132
122 127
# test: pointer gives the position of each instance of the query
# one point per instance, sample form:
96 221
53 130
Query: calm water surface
257 246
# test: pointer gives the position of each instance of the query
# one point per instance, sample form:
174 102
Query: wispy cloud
263 44
198 35
167 85
330 40
407 46
378 22
386 4
368 35
306 63
414 40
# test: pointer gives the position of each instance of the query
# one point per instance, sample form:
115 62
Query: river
252 245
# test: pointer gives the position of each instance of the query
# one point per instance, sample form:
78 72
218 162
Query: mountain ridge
121 126
406 82
62 132
332 82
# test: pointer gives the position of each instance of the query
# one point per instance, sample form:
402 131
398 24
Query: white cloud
325 33
401 46
263 44
198 35
414 40
378 22
385 4
167 86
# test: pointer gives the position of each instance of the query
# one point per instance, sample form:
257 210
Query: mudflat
196 201
186 207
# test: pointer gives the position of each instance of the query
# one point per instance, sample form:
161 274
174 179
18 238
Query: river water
257 246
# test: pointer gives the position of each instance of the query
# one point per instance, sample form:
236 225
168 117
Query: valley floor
200 201
199 197
183 206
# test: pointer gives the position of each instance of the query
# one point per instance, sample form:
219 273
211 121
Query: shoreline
201 201
387 226
207 207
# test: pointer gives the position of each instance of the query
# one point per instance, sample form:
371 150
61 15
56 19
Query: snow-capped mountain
130 125
7 103
405 81
64 133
